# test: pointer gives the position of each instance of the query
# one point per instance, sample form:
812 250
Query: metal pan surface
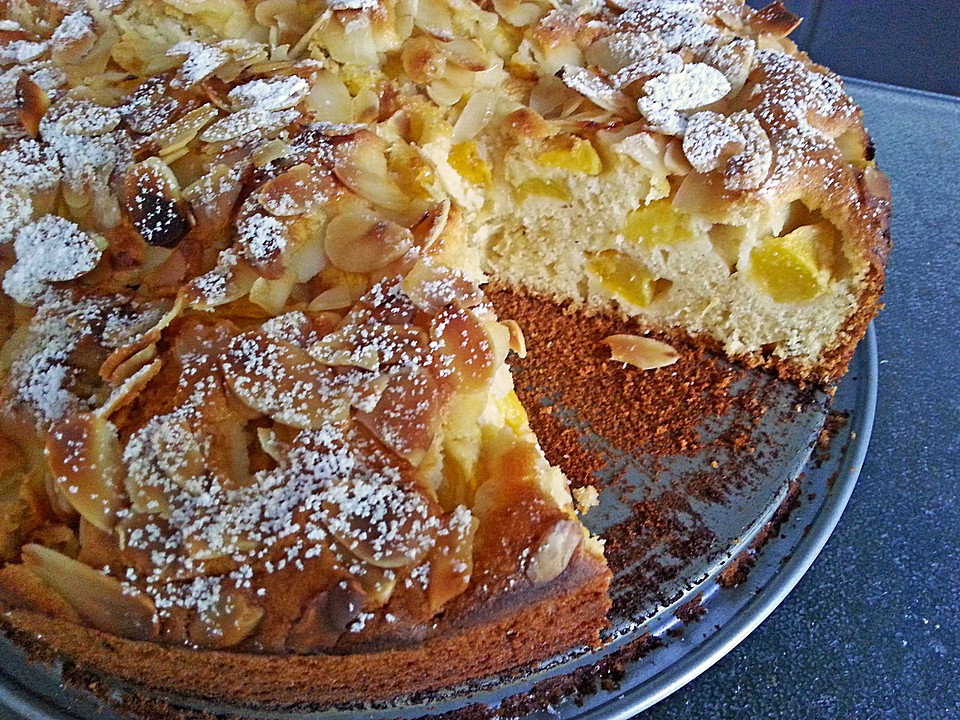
663 633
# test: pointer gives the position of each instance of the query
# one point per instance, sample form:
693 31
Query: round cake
261 443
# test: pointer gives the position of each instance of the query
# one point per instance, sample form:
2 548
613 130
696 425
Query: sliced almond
284 382
361 242
451 560
32 104
597 90
182 131
247 120
408 415
338 297
431 226
360 162
431 288
213 197
642 352
775 20
131 387
99 599
225 622
877 183
325 619
379 520
555 550
85 459
296 191
517 342
464 349
162 458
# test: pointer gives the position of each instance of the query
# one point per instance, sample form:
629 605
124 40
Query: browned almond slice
75 37
213 197
431 226
284 382
32 104
776 20
181 132
408 414
642 352
85 458
143 340
296 191
230 280
432 288
378 519
263 240
338 297
225 621
464 348
326 618
99 599
362 242
162 458
451 561
360 162
877 183
554 552
151 197
518 342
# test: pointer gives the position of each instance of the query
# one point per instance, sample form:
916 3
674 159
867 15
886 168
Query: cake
258 419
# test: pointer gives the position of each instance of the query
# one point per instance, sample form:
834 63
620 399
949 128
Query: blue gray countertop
911 43
873 629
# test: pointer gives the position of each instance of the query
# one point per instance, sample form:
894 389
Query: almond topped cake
260 438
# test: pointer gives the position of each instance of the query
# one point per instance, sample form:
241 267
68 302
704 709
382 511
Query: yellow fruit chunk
623 277
465 159
543 188
411 171
573 154
513 412
795 267
657 224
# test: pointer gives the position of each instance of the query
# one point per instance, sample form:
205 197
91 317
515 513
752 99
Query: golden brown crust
523 629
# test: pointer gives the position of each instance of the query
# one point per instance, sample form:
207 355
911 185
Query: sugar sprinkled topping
52 249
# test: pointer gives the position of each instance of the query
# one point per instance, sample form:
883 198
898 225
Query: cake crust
520 629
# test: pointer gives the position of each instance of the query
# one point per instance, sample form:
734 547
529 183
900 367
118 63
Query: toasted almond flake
710 139
361 242
32 104
596 89
642 352
335 298
130 389
99 599
695 86
555 550
361 164
284 382
173 137
517 342
228 621
775 20
270 94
